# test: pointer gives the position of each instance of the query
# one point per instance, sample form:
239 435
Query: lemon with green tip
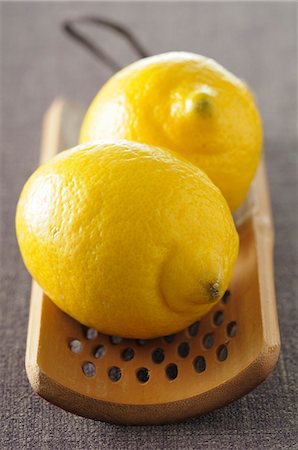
189 104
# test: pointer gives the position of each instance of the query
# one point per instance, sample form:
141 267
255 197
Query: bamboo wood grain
56 373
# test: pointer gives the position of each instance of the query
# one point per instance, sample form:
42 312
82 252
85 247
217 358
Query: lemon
188 104
126 238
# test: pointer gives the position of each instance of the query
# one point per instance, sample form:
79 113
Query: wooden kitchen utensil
213 362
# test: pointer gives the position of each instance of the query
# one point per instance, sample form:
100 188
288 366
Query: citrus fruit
126 238
190 105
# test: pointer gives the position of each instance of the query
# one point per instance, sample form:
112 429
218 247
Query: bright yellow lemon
127 238
188 104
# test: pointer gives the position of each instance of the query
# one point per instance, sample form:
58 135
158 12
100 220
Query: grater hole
232 329
89 369
222 352
183 350
208 340
128 354
114 373
199 364
226 297
91 333
99 351
158 355
143 375
170 338
193 329
218 318
172 371
141 342
75 346
115 340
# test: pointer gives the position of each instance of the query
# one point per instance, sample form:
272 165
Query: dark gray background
257 41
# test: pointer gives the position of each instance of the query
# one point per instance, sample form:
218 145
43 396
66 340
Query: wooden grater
210 364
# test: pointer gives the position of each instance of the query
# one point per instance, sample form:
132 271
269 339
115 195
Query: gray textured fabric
257 41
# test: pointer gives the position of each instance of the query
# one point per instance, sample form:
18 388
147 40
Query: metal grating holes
143 375
114 373
91 333
115 340
193 329
222 352
154 351
199 364
141 342
89 369
99 351
183 349
232 329
218 318
75 346
170 338
158 355
128 354
172 371
226 297
208 340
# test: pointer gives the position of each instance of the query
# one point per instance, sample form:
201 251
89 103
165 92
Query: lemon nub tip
213 291
203 106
